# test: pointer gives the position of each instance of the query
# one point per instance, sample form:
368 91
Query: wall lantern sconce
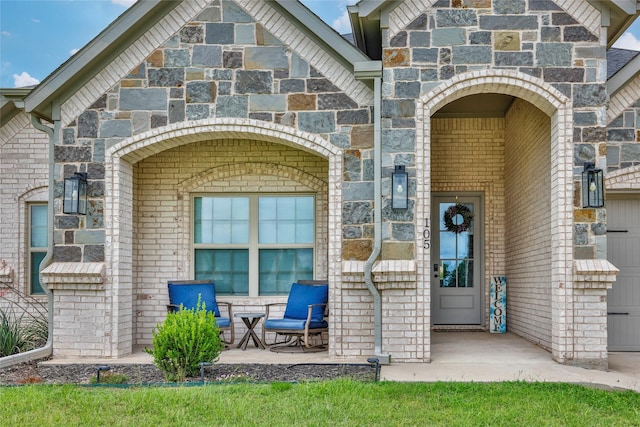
592 186
75 194
399 188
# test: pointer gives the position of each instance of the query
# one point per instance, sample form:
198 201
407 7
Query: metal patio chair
303 320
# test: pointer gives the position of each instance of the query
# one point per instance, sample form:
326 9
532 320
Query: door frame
479 235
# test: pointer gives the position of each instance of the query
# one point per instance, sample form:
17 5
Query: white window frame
34 249
253 246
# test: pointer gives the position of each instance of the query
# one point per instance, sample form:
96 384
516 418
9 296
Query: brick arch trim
34 190
251 168
156 140
559 108
119 203
623 179
508 82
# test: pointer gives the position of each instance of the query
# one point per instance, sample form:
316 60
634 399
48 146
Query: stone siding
623 139
221 65
537 39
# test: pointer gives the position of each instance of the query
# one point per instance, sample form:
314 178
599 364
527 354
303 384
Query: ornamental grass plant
23 322
186 338
12 339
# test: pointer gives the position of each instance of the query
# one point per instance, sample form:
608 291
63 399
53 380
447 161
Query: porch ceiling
479 105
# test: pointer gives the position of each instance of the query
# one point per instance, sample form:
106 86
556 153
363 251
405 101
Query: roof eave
356 27
11 103
617 16
365 20
625 75
322 33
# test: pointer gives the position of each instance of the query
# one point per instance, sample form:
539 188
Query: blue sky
37 36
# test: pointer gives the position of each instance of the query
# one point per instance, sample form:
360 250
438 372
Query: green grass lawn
331 403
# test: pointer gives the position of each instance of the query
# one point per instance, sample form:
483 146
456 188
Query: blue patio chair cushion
187 295
223 322
293 324
301 296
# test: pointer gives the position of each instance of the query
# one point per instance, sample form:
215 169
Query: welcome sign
498 311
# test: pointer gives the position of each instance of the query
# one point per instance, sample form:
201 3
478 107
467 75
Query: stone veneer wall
623 139
538 39
528 227
467 155
223 64
164 184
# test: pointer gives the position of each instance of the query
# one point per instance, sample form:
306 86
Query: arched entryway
148 200
519 168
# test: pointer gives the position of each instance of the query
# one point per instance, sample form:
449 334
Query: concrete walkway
456 356
484 357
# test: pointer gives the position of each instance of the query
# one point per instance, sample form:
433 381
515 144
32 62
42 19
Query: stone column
80 311
592 278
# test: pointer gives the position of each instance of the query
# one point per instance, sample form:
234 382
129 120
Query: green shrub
184 340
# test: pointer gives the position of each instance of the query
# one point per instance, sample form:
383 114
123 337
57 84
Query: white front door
456 260
623 250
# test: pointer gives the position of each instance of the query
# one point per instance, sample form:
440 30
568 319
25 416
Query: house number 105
426 235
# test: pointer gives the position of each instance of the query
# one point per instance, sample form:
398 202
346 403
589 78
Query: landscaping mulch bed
38 373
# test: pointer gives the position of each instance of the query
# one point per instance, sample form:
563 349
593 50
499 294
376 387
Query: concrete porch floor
485 357
456 356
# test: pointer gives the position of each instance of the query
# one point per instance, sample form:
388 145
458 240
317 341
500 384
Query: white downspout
45 351
373 70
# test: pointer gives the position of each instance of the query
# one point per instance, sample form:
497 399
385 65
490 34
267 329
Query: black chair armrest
172 308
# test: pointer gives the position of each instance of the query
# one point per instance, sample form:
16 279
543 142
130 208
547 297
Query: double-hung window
254 244
38 241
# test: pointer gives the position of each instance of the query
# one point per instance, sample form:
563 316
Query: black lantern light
399 188
592 186
75 194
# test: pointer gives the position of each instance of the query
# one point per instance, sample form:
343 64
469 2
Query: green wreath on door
455 225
